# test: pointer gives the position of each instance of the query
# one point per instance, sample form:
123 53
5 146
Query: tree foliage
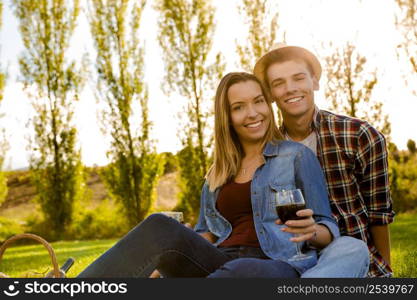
171 162
135 168
406 21
52 83
350 86
403 177
3 142
2 75
4 147
263 29
411 146
3 183
186 29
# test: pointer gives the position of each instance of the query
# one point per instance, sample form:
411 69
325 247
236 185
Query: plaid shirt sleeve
372 169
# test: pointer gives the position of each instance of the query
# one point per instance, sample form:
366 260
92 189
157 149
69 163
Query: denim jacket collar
271 149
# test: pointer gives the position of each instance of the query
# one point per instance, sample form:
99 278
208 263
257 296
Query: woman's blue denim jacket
288 165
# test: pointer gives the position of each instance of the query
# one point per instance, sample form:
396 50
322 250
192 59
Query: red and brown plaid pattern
354 159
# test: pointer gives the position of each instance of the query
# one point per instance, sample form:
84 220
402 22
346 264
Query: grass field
18 260
404 245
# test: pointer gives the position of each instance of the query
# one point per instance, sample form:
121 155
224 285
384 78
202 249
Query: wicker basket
56 273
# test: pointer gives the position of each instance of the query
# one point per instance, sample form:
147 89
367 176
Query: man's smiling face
292 87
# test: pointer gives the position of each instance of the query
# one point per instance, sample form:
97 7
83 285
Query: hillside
21 192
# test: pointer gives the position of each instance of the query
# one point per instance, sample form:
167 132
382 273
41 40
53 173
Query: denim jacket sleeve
310 179
201 225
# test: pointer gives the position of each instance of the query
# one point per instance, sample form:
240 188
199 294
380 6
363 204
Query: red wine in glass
289 212
287 203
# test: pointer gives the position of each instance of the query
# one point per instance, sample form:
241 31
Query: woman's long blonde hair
228 151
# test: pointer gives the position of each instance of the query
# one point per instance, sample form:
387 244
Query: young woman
238 233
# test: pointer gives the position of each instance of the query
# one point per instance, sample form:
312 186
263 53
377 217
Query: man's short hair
282 53
277 58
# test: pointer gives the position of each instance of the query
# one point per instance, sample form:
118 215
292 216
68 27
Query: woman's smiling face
249 111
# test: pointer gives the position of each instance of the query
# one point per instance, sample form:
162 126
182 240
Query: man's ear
316 85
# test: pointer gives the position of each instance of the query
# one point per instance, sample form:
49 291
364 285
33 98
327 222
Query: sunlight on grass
404 262
404 245
19 260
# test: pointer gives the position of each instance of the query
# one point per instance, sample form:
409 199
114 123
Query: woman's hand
305 228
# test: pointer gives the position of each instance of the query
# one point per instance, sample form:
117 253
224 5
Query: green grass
404 245
18 260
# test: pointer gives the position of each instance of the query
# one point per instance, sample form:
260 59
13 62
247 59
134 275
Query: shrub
37 224
3 186
403 181
9 228
171 163
101 222
104 221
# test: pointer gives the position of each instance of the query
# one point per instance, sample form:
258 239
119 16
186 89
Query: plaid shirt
354 159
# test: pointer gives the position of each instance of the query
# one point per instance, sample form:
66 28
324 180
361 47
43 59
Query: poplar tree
2 75
262 34
406 22
135 168
3 142
186 29
350 86
52 83
411 146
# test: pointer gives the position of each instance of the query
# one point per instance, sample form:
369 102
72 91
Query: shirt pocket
340 160
273 188
213 221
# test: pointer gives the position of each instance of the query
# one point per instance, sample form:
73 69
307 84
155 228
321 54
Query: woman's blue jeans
162 243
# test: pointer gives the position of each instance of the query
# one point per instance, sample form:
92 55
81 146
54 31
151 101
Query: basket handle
56 272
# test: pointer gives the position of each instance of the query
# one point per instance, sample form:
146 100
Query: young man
351 152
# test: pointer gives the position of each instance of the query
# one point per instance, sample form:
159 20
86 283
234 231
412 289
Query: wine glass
287 203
